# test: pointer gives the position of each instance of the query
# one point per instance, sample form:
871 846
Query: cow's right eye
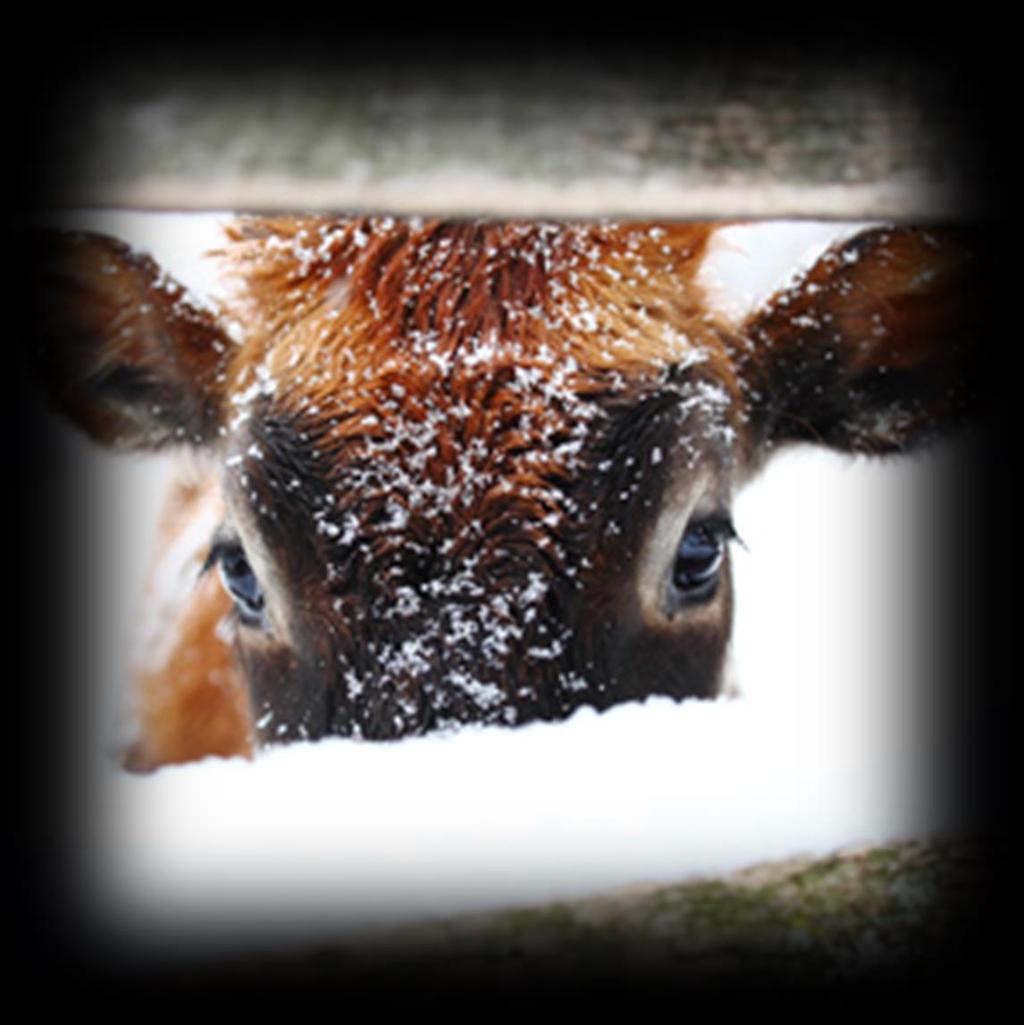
240 582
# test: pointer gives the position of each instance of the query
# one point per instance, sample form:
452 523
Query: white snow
824 748
747 263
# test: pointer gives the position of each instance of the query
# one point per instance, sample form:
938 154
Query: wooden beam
525 134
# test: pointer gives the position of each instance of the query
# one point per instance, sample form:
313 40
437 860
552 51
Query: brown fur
339 322
196 704
193 702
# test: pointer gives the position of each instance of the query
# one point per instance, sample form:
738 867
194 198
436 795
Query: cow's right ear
119 348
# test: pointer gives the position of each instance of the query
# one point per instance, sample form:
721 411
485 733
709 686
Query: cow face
480 472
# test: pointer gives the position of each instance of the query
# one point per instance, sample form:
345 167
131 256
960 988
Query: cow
439 473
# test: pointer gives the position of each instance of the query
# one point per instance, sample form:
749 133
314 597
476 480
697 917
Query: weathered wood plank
899 914
523 134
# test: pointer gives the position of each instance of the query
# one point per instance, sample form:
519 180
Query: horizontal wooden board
527 133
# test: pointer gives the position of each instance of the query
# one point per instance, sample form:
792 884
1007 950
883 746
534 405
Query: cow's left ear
118 345
876 349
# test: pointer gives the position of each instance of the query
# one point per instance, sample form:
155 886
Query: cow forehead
377 290
374 325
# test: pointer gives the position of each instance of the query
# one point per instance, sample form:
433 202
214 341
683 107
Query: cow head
482 472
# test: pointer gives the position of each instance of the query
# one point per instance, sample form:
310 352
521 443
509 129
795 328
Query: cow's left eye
699 558
239 581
